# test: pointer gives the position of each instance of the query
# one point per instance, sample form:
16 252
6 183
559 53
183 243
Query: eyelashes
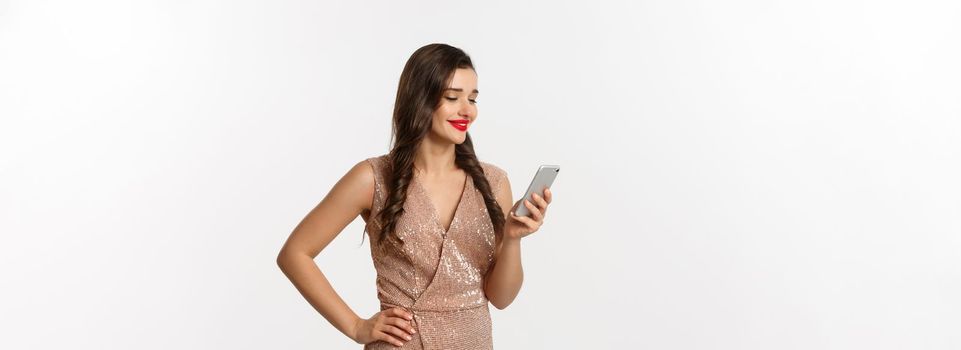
455 99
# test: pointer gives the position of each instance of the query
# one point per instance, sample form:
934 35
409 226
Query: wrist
353 328
511 241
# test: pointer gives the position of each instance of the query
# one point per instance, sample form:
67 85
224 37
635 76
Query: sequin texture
436 275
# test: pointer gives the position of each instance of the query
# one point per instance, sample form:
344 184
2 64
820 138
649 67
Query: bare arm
346 200
506 277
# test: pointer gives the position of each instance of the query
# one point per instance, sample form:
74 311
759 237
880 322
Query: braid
398 178
467 160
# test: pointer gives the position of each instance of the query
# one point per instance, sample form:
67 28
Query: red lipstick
459 124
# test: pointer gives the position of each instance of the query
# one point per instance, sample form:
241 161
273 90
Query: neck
434 159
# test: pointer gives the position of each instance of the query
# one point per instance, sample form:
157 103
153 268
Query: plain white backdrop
736 174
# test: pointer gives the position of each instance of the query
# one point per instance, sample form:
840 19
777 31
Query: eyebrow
461 90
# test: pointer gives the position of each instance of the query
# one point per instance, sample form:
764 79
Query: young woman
440 241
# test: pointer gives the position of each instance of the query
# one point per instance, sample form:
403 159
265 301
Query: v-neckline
435 213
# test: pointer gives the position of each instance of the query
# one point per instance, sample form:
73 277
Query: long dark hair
427 73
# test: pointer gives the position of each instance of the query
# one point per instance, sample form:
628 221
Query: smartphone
543 178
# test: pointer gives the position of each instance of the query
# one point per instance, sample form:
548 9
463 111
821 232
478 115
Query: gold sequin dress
435 274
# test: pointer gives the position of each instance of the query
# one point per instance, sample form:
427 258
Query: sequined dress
435 274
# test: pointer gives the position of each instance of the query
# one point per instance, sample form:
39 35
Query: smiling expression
457 109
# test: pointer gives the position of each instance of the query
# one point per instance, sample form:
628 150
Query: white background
736 175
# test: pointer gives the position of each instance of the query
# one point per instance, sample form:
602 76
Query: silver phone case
542 179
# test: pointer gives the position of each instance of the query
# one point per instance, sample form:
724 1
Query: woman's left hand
518 227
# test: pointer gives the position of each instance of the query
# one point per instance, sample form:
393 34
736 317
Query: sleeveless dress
436 275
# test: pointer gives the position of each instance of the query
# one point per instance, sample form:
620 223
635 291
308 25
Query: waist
433 310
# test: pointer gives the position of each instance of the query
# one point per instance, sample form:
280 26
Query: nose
466 110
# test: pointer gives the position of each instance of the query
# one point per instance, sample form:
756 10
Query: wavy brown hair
427 73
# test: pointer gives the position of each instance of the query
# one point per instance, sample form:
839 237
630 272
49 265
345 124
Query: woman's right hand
391 325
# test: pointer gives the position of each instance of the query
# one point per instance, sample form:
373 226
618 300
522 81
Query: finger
517 206
396 332
542 206
530 223
535 211
402 324
388 338
547 195
541 203
401 313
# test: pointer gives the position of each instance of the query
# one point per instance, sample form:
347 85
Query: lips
459 124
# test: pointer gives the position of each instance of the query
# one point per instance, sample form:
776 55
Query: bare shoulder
355 189
360 181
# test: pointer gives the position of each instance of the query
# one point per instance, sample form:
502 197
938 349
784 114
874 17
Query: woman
440 241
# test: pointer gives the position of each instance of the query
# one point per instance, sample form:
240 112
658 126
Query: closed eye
455 99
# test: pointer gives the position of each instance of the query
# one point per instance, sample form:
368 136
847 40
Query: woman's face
457 110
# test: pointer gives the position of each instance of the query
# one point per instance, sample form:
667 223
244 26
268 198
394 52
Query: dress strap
379 165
